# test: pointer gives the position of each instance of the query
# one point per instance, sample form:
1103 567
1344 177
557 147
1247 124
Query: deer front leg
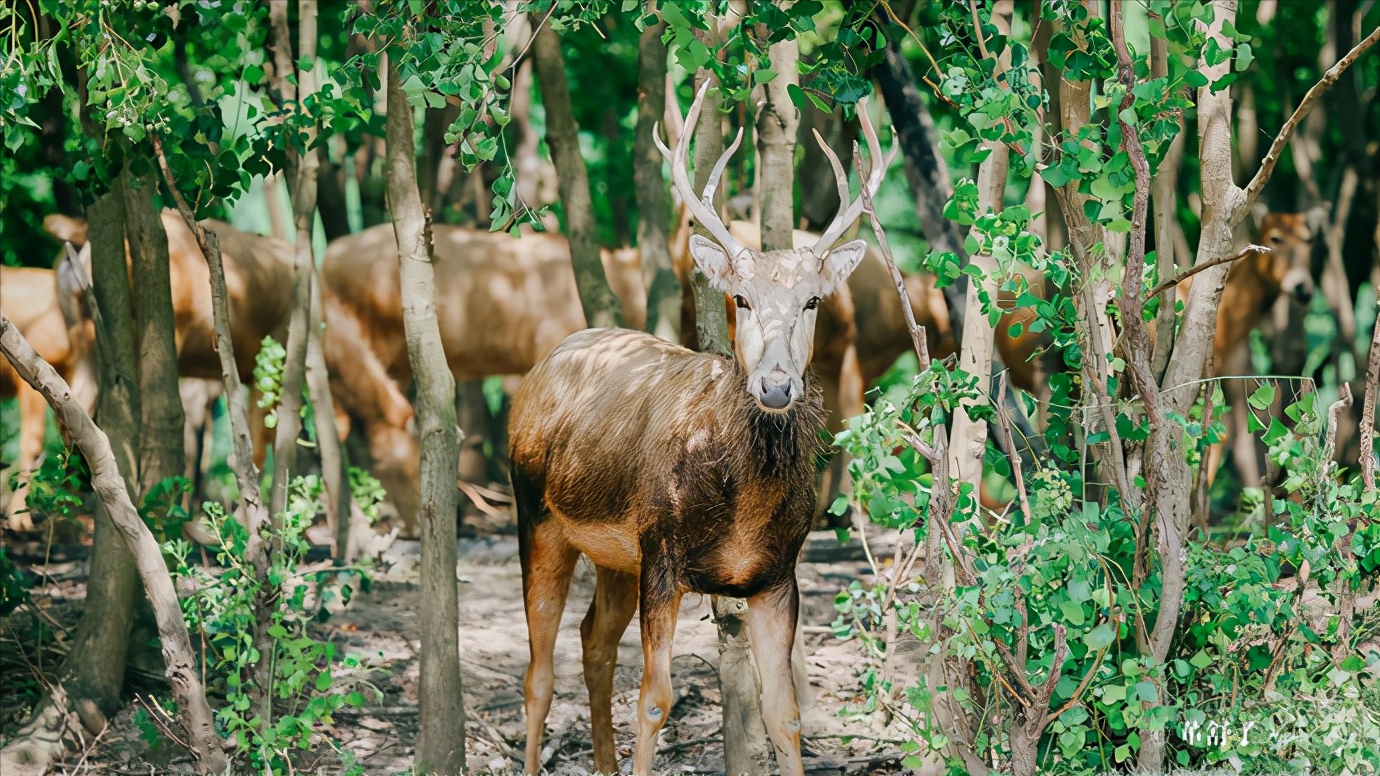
660 605
770 620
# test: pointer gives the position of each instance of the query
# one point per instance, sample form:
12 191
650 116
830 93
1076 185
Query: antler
701 205
847 215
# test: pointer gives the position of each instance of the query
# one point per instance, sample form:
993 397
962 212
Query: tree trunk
777 124
162 420
926 172
330 198
441 742
113 491
653 200
563 137
711 317
92 675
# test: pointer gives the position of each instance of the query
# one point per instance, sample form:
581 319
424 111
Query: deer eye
813 303
1275 239
741 302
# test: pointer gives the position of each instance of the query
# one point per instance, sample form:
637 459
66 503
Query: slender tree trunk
162 420
777 125
113 491
92 675
330 198
926 171
562 136
441 742
653 200
711 317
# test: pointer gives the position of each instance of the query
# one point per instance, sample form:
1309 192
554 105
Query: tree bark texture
92 676
653 199
562 136
711 317
162 419
441 742
113 491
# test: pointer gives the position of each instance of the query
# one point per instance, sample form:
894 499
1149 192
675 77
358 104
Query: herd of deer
618 440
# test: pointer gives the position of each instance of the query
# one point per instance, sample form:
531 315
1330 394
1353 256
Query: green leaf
1200 660
1100 637
1114 693
1073 612
1080 590
1263 397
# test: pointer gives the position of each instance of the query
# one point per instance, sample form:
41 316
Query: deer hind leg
548 562
660 605
615 601
771 619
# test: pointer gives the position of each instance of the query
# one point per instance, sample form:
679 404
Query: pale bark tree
441 740
563 137
653 199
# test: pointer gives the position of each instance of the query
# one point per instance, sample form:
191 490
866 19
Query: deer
679 472
258 276
1253 286
44 305
503 304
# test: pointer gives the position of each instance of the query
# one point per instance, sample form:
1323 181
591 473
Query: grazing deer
258 276
503 303
676 472
44 305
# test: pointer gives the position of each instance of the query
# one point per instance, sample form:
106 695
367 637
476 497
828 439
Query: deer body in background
676 472
41 308
503 303
258 277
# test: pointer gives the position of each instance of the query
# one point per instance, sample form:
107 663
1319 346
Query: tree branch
1267 167
1195 269
81 432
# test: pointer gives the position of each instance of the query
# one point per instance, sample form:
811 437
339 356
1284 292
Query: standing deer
678 472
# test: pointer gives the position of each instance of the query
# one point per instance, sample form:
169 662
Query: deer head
777 292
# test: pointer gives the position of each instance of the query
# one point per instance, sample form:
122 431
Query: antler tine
712 184
850 213
840 177
680 177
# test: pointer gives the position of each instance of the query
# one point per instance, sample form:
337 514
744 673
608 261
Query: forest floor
381 627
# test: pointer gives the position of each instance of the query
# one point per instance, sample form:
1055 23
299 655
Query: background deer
41 303
258 276
1253 286
676 471
503 304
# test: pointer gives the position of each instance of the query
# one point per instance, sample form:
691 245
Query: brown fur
503 303
258 278
655 462
31 299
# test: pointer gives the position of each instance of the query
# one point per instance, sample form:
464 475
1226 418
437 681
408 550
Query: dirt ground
381 628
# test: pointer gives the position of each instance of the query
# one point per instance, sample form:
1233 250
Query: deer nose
1303 293
776 391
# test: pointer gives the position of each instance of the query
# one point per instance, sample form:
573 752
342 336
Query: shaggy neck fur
780 444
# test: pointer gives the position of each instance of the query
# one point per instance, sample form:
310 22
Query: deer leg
615 600
1243 445
659 608
771 621
548 562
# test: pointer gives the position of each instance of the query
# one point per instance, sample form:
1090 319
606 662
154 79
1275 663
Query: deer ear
840 262
712 260
65 228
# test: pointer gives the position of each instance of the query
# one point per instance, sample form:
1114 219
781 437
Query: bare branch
1267 167
1195 269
